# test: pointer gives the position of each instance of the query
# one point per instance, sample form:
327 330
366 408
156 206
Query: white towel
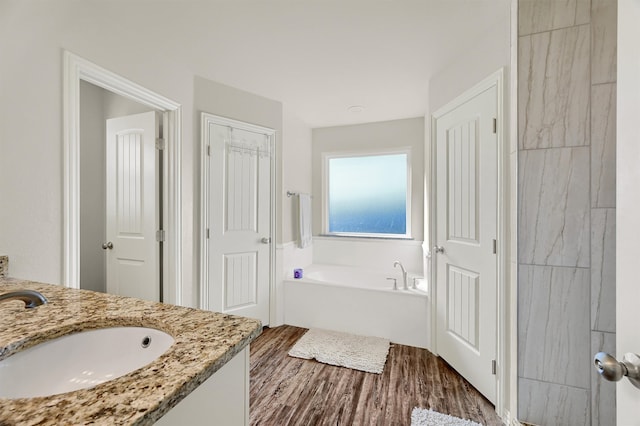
304 220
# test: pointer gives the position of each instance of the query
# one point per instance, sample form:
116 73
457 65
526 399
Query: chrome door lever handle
107 245
438 249
613 370
265 240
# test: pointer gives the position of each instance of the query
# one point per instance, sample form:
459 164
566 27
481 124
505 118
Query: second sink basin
80 360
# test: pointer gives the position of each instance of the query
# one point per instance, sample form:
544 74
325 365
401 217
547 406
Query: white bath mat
424 417
343 349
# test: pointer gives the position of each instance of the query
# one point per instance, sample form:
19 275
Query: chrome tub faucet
404 274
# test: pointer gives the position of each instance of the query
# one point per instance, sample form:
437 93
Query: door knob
265 240
613 370
108 245
438 249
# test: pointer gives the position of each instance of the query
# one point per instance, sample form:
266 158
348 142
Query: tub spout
404 274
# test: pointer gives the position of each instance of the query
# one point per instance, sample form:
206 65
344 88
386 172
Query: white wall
92 187
484 56
296 177
296 173
367 253
119 106
31 164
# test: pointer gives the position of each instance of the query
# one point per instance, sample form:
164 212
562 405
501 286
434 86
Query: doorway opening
76 71
99 109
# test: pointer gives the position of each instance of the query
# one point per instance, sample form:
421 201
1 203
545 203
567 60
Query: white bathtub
359 301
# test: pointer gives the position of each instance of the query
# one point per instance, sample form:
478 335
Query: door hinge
159 144
160 235
494 367
209 150
495 125
495 247
207 233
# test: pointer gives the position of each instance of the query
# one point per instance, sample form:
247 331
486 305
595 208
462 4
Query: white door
131 247
239 221
466 223
628 204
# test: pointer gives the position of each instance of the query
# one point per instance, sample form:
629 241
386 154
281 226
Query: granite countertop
4 265
204 342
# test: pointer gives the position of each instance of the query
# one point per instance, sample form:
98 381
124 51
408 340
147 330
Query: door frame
206 120
76 69
504 361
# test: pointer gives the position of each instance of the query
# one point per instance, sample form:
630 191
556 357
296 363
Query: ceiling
320 56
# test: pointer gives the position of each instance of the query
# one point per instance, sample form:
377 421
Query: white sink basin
80 360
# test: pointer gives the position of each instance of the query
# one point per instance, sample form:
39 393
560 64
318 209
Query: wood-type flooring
292 391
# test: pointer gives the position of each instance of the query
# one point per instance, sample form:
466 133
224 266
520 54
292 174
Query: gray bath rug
343 349
424 417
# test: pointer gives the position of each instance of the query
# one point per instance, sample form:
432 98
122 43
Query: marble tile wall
603 270
604 32
566 196
554 207
554 86
546 404
536 16
603 145
553 342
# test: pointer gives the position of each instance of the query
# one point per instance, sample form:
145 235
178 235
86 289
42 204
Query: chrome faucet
31 298
404 273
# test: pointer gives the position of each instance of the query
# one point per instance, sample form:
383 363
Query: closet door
239 212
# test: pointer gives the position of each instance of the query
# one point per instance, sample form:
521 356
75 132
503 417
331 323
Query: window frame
327 156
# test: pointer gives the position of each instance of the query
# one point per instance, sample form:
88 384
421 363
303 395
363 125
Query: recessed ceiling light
355 109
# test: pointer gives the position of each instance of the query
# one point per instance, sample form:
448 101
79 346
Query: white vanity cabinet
223 399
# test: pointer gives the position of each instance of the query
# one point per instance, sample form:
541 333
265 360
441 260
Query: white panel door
132 262
628 204
240 222
466 216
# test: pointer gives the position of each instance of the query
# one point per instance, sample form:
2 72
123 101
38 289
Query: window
368 195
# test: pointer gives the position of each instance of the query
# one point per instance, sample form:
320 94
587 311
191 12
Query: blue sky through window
368 194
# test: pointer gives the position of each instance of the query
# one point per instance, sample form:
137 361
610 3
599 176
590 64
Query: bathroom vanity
203 378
